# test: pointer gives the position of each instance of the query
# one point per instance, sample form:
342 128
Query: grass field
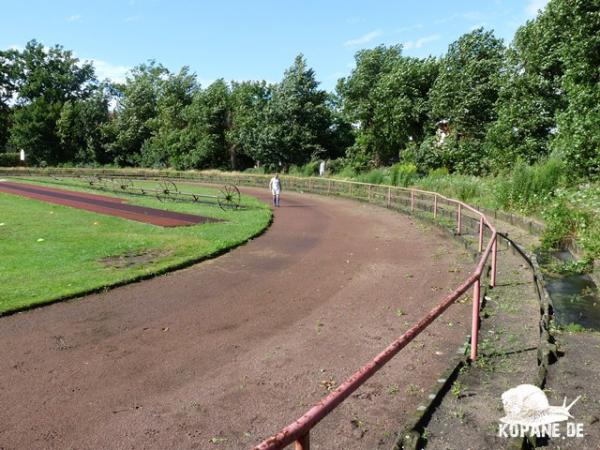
48 251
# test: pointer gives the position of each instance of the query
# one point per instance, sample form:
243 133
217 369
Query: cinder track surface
226 352
103 204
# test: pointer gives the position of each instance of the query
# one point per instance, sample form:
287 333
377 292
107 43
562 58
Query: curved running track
225 353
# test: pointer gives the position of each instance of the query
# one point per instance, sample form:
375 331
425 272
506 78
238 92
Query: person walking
275 187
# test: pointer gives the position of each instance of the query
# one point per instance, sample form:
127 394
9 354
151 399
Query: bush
562 224
373 176
403 174
335 166
527 187
310 169
463 187
10 159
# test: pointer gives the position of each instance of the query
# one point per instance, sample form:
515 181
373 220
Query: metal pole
458 218
303 443
412 201
494 253
480 234
475 319
389 197
435 206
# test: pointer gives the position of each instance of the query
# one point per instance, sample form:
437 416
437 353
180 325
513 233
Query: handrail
298 432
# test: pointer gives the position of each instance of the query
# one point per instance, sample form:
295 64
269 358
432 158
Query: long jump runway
226 352
103 204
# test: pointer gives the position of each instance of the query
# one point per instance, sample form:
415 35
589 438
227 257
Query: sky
251 40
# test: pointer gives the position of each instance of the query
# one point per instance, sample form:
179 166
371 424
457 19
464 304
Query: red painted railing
298 432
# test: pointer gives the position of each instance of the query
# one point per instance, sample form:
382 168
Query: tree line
477 109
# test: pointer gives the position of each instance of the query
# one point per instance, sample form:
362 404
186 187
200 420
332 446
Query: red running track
102 204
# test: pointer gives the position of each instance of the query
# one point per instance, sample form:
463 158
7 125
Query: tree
530 95
578 125
80 128
174 94
359 101
45 80
7 90
297 120
465 94
135 112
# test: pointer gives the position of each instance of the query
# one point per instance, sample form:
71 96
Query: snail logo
529 413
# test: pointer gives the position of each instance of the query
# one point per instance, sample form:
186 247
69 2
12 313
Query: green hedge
9 160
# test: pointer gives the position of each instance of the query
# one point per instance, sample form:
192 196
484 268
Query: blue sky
243 40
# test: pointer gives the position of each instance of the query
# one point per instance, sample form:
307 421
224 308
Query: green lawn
48 251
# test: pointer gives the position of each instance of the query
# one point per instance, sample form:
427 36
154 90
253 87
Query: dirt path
226 352
103 204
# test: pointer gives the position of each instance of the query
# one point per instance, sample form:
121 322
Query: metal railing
408 199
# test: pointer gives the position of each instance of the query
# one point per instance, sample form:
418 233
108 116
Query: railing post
370 192
480 234
389 197
412 201
435 206
458 219
303 443
494 254
328 187
475 319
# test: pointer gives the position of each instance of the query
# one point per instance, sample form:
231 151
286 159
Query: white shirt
275 185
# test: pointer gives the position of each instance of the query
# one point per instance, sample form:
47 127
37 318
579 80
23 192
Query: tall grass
530 187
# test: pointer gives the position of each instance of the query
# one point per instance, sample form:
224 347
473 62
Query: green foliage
527 187
386 95
562 223
9 160
463 187
373 176
45 80
335 166
403 174
466 90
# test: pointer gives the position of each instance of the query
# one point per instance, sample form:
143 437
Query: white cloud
419 43
364 39
534 6
73 18
107 70
417 26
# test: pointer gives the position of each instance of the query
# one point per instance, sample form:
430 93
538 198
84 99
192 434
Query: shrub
335 166
403 174
10 159
374 176
310 169
562 224
527 187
